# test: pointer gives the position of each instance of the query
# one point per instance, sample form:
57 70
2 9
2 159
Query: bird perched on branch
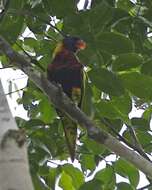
67 71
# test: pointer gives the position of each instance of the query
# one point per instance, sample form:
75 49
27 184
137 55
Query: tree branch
61 101
13 154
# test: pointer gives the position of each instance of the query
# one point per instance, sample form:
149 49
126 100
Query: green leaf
128 170
41 153
138 84
38 184
34 123
109 110
75 174
35 2
107 176
46 47
53 174
59 9
119 15
140 124
123 25
126 5
87 162
122 103
46 111
20 122
35 24
147 113
124 186
66 182
114 43
127 61
92 146
13 23
87 103
100 16
106 109
107 81
81 20
92 185
4 60
144 138
43 170
32 43
147 68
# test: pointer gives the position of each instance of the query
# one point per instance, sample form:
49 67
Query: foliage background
119 78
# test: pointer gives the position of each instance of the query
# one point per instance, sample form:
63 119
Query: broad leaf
124 186
107 81
92 185
66 182
87 162
138 84
12 22
107 176
109 110
126 169
140 124
75 174
127 61
147 68
114 43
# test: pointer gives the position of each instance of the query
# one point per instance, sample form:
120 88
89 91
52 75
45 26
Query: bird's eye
80 44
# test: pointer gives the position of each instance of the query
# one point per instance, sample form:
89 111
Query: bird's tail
69 126
70 130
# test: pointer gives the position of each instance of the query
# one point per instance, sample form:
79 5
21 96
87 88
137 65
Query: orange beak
81 44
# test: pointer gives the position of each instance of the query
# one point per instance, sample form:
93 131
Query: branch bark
13 155
61 101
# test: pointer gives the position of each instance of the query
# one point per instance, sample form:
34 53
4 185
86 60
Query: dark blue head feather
70 43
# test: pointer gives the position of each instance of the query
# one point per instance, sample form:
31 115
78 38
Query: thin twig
118 135
6 67
12 92
54 163
136 148
137 144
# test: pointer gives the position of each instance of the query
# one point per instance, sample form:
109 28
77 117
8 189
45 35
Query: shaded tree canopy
118 79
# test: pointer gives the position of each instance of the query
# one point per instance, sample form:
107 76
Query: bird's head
73 44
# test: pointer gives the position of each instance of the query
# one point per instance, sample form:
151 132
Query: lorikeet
67 71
